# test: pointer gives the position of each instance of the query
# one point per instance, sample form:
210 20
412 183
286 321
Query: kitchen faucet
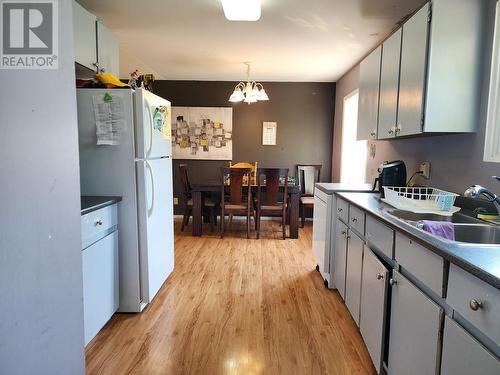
476 191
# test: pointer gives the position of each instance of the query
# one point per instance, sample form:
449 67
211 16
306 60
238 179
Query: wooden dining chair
307 176
244 164
270 201
187 200
239 201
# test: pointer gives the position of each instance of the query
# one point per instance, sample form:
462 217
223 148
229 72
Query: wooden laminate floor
236 306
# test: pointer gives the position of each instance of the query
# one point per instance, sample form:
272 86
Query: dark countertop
93 203
330 188
483 261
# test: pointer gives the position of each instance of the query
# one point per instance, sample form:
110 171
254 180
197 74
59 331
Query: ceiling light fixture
241 10
249 92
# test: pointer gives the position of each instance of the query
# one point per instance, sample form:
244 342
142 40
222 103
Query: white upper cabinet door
84 35
414 336
373 306
369 85
412 77
107 50
389 86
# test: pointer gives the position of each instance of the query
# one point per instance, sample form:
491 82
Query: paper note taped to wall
109 111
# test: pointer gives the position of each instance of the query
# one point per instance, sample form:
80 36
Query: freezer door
153 125
155 224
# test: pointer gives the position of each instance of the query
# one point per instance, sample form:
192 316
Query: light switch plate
425 168
176 201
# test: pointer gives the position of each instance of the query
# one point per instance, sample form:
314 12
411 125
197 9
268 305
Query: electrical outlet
425 168
176 201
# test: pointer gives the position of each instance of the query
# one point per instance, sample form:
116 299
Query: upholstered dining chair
187 200
239 200
270 201
307 176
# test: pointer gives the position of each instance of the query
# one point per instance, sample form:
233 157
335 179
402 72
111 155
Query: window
353 159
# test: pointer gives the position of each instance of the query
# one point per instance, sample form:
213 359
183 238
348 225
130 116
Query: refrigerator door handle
148 109
150 209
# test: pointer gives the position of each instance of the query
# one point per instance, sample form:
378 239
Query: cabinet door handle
354 219
380 276
397 130
99 222
393 282
373 133
390 131
339 210
475 304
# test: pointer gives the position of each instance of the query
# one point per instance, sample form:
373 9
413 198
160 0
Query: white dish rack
421 199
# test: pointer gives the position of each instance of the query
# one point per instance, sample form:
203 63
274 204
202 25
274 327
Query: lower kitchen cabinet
353 274
414 331
463 355
340 257
100 284
373 306
321 231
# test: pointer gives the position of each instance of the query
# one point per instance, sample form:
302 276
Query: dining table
199 189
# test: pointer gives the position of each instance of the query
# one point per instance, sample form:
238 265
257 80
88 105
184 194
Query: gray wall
456 160
41 314
304 112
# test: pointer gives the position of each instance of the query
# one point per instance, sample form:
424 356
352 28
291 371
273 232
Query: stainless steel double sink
467 228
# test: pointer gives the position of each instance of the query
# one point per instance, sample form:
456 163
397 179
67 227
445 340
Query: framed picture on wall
269 131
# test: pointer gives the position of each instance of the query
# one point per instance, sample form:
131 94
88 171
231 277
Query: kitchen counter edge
91 203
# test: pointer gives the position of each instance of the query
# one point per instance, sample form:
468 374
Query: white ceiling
295 40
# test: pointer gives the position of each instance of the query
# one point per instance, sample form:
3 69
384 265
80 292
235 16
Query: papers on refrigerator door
109 110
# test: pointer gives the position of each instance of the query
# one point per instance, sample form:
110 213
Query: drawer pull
340 210
393 282
354 220
475 304
99 222
380 276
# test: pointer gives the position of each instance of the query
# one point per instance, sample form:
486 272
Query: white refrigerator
139 169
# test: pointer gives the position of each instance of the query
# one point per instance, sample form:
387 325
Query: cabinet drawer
458 342
420 262
357 219
464 290
342 210
98 224
379 235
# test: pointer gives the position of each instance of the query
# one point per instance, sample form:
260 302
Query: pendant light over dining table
249 91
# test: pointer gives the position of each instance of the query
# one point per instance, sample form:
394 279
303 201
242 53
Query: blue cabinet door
100 284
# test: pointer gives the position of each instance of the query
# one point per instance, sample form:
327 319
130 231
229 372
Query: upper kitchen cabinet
369 85
389 86
96 47
84 35
107 50
412 74
439 67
